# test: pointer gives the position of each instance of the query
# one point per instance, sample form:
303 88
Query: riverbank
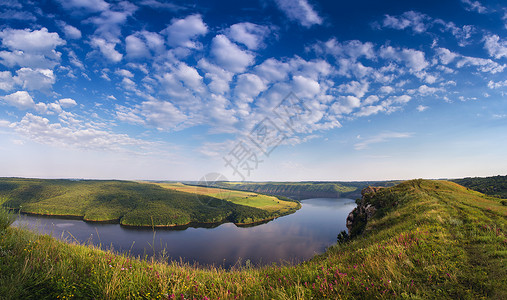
430 239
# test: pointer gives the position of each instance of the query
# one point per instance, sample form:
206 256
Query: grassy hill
427 239
493 186
304 190
271 204
129 203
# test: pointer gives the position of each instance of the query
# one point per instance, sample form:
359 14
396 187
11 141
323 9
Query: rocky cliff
365 210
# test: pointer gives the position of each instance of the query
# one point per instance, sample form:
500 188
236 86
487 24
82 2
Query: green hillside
426 240
493 186
129 203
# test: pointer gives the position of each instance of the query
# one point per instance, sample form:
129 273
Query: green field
427 240
268 203
131 203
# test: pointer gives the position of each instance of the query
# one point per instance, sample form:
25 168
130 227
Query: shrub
6 219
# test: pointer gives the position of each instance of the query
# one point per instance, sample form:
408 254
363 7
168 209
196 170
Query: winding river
293 238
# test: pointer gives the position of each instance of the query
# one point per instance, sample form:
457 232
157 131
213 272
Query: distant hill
493 186
305 190
126 202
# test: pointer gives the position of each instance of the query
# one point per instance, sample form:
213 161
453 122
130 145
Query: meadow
130 203
428 239
264 202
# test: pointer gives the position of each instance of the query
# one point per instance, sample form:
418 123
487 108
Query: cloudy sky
254 90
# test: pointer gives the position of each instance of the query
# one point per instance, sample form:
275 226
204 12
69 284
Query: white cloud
190 77
354 87
124 73
445 55
109 21
471 5
248 87
135 47
482 64
31 41
495 47
229 56
351 49
248 34
409 19
369 110
183 32
10 14
381 138
413 59
305 87
35 79
386 89
273 70
90 5
41 130
371 100
107 49
421 108
20 99
71 32
6 81
496 85
67 102
345 105
163 115
300 11
219 78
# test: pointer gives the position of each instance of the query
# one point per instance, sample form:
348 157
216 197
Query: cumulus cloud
67 102
35 79
30 48
229 56
71 32
300 11
413 59
476 6
183 32
410 19
359 89
248 34
249 86
41 130
495 47
495 85
381 138
345 105
482 64
421 108
20 99
6 81
107 49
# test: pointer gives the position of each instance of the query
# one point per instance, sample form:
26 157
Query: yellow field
268 203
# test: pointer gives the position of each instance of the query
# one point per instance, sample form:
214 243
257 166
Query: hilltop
426 239
134 203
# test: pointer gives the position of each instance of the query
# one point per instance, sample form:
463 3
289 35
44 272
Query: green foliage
342 237
6 219
494 186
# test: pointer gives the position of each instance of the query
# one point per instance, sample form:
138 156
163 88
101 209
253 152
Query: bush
6 219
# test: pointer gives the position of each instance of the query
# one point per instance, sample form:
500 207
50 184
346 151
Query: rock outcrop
365 210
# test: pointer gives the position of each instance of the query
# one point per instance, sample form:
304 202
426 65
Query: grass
130 203
265 202
430 239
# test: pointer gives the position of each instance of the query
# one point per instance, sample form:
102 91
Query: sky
261 90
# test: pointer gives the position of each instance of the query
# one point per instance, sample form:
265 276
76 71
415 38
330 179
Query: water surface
293 238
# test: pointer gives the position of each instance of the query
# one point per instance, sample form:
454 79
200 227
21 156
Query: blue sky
257 90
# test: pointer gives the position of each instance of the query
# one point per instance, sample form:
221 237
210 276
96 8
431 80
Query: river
293 238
